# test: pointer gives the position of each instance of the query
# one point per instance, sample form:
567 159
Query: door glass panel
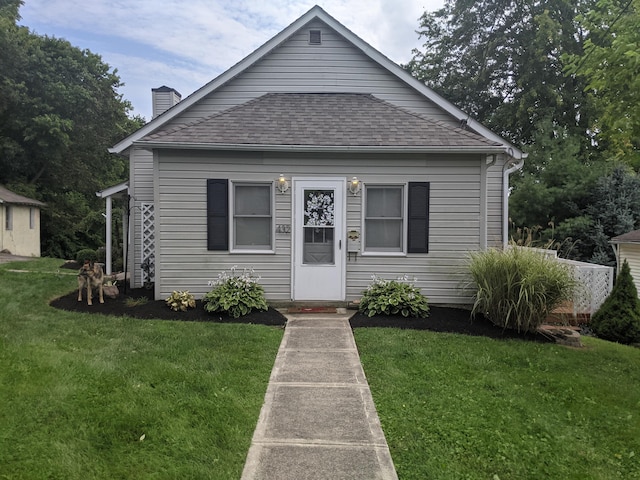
318 245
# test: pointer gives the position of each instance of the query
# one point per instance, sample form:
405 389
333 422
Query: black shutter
217 214
418 225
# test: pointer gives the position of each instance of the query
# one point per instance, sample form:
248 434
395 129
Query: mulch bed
158 309
440 319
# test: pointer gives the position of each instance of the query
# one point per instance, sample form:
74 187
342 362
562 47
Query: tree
615 209
561 79
618 318
610 64
60 110
501 61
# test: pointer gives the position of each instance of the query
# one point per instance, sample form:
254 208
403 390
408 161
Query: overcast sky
186 43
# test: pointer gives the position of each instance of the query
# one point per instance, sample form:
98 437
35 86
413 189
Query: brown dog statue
90 276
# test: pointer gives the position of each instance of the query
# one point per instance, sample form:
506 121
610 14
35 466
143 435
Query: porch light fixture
283 185
354 186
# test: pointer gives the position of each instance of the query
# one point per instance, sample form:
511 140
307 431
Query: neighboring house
627 247
19 224
318 162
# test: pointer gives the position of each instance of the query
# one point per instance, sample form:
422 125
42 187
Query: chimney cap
164 89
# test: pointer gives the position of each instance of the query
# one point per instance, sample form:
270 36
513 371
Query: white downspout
515 166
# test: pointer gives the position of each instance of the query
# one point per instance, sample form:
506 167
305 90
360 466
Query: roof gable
320 120
315 14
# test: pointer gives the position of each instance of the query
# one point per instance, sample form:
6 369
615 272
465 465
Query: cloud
184 44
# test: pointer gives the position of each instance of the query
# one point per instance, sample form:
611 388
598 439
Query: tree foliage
561 79
610 65
60 110
500 61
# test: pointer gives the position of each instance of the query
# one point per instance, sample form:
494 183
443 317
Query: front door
318 244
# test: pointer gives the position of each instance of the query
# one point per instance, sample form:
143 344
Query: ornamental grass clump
235 294
517 287
180 301
393 297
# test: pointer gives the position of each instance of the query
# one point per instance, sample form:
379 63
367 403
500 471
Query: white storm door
318 231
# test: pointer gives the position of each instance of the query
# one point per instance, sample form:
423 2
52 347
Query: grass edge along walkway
459 407
91 396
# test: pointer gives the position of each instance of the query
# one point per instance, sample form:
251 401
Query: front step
314 309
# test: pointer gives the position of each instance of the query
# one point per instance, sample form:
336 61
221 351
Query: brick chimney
163 99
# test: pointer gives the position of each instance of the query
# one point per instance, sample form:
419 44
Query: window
394 224
252 227
8 217
32 218
384 215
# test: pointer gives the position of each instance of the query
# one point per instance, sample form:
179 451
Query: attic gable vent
315 37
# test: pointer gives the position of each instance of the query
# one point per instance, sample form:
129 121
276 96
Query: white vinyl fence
596 282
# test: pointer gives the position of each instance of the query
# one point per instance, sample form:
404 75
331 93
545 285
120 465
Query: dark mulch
441 319
158 309
449 320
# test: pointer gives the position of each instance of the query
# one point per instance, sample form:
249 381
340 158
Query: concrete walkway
318 421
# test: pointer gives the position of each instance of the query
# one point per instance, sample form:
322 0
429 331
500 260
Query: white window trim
32 218
8 212
232 217
405 212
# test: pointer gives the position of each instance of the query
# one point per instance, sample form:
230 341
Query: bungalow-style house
627 247
317 162
19 224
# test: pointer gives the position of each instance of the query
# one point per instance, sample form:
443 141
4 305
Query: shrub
393 297
618 318
235 294
517 288
180 301
86 254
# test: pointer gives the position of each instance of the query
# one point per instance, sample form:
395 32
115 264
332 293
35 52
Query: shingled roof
7 196
320 120
630 237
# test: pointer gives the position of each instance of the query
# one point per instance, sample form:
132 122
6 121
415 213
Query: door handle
339 244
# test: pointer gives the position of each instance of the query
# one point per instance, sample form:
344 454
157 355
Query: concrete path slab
318 420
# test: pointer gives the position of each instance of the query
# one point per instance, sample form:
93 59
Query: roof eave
218 81
371 52
488 149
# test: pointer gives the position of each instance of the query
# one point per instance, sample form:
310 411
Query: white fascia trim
406 77
375 55
321 148
107 192
218 81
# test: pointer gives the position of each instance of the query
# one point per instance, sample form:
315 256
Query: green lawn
90 396
457 407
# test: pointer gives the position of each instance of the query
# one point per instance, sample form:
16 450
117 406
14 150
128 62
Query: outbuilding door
318 239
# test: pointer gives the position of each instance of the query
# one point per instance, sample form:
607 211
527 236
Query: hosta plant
180 301
235 294
393 297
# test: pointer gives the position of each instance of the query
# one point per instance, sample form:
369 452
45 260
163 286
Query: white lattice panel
596 283
148 243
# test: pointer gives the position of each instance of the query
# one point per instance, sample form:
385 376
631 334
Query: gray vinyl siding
183 262
494 203
631 253
141 169
296 66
